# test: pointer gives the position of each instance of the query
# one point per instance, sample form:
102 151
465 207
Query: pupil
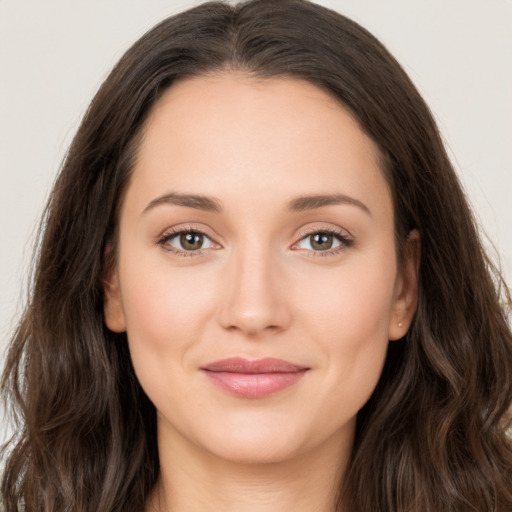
191 241
322 241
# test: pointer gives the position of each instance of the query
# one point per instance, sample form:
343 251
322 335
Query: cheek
350 322
166 311
352 304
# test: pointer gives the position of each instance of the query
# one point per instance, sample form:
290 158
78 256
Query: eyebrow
198 202
211 204
318 201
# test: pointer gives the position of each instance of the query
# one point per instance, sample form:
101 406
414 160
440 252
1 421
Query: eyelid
344 237
323 228
174 231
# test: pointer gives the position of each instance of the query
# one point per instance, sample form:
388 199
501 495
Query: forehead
231 135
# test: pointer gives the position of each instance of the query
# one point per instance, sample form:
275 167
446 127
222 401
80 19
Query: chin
247 438
257 449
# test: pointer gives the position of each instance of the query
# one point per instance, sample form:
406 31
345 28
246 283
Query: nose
255 296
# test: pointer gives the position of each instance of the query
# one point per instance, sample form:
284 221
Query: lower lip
254 385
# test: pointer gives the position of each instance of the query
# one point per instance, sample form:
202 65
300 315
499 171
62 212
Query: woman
260 287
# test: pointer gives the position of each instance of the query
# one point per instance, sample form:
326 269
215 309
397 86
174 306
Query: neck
191 480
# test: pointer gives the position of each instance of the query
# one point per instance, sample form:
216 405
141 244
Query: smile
253 379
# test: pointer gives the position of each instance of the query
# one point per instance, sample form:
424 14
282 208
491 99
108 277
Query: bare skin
257 224
207 484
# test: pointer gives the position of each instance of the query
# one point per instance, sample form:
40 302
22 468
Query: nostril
255 323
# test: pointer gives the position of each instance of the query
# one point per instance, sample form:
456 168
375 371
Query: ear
112 304
406 288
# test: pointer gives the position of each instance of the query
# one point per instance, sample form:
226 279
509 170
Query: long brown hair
433 436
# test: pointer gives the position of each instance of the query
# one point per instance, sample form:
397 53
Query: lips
253 379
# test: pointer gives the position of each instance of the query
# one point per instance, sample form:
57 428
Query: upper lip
241 365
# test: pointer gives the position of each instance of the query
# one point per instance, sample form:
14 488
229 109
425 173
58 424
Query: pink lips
253 379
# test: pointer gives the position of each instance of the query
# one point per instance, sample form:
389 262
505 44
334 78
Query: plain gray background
55 53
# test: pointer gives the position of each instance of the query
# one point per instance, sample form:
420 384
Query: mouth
253 379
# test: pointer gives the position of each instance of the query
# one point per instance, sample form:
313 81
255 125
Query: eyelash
345 241
169 235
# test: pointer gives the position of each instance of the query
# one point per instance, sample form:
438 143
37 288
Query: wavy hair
433 436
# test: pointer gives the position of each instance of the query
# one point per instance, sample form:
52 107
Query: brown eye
191 241
321 241
186 241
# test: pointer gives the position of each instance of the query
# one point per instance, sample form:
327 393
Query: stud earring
400 324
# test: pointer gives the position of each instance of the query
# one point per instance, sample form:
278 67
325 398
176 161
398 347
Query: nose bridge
254 301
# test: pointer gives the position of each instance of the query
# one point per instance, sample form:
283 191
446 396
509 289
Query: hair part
433 435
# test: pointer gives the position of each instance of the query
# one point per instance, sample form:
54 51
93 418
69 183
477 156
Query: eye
186 241
323 241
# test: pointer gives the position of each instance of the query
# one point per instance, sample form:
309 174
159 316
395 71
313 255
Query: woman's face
256 272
